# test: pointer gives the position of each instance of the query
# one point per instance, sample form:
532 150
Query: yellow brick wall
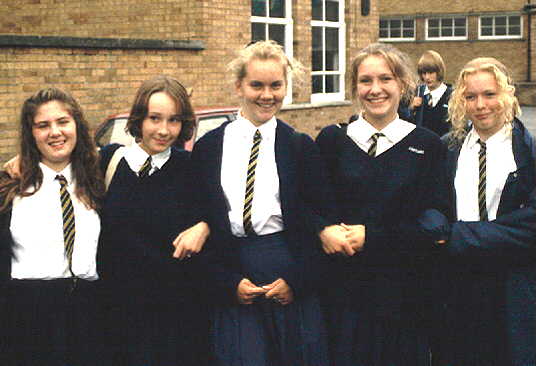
104 80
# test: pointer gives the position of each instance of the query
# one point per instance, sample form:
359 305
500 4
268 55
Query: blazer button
515 175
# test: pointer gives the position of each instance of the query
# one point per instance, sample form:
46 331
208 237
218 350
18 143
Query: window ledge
289 107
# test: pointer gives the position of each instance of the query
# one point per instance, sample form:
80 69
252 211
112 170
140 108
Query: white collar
136 157
361 130
247 129
498 137
437 92
50 174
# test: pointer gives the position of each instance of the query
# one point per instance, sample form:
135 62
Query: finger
178 239
179 252
347 227
348 250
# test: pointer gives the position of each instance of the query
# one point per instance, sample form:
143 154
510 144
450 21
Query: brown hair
176 91
399 63
84 158
431 61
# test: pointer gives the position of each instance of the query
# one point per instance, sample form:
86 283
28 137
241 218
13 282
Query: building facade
461 30
101 50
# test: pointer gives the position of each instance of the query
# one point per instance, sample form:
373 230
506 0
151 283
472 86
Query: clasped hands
344 240
278 291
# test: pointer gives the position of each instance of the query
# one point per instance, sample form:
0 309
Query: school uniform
50 307
375 299
433 112
153 312
290 207
488 313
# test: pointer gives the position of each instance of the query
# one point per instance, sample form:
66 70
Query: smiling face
262 90
378 91
482 103
54 131
162 125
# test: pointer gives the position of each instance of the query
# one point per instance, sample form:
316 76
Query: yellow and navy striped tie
68 221
374 145
250 183
145 168
482 208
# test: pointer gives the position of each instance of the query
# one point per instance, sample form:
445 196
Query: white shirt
436 94
361 132
499 163
266 216
136 157
37 231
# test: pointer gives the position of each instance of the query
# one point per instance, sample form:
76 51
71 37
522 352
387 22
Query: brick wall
105 80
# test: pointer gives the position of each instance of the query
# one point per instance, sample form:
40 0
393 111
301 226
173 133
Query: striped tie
68 221
250 183
145 168
374 145
483 211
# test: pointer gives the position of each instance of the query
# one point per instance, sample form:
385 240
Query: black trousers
50 323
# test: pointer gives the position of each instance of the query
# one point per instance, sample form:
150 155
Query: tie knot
482 145
61 179
257 136
376 136
145 168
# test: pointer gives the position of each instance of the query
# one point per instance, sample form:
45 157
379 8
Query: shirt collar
247 128
50 174
136 157
396 130
437 92
498 137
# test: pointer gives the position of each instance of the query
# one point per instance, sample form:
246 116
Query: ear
238 88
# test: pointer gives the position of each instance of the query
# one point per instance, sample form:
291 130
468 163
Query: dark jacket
304 204
433 118
489 292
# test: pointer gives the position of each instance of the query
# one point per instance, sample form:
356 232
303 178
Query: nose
163 130
267 93
54 129
480 102
375 86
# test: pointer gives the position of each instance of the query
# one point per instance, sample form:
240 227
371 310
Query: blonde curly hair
507 100
264 50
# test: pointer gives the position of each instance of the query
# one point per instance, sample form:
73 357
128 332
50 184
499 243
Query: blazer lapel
284 144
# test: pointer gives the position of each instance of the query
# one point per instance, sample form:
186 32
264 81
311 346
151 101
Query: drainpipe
529 9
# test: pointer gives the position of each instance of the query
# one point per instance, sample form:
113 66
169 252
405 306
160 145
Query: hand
441 242
334 241
355 234
416 103
12 167
246 292
280 292
191 240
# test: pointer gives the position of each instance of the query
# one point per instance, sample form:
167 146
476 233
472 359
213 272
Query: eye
469 97
255 85
490 94
41 125
153 117
386 78
175 119
63 121
364 80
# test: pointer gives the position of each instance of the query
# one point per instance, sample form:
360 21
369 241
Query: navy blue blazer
305 204
497 258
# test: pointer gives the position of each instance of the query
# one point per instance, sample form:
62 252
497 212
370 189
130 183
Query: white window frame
401 38
288 22
516 36
449 38
341 26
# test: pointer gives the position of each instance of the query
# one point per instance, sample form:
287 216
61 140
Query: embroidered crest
416 151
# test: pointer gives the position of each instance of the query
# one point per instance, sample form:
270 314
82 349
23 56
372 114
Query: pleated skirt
266 333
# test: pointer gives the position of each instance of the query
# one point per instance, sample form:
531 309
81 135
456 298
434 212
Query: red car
112 130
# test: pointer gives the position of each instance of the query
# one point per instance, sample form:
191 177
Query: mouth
377 100
266 105
57 145
481 117
162 141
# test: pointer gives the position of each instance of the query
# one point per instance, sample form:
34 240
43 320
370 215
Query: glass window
397 29
328 50
500 26
446 28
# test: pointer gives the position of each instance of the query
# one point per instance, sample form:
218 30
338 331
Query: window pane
514 20
277 33
258 8
332 10
395 23
383 23
459 32
459 22
408 24
317 84
446 23
395 33
277 9
384 33
486 21
500 21
433 33
433 23
317 49
318 9
446 32
332 49
332 83
515 31
258 31
500 31
486 31
408 33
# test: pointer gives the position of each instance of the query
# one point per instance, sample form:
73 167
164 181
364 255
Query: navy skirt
266 333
